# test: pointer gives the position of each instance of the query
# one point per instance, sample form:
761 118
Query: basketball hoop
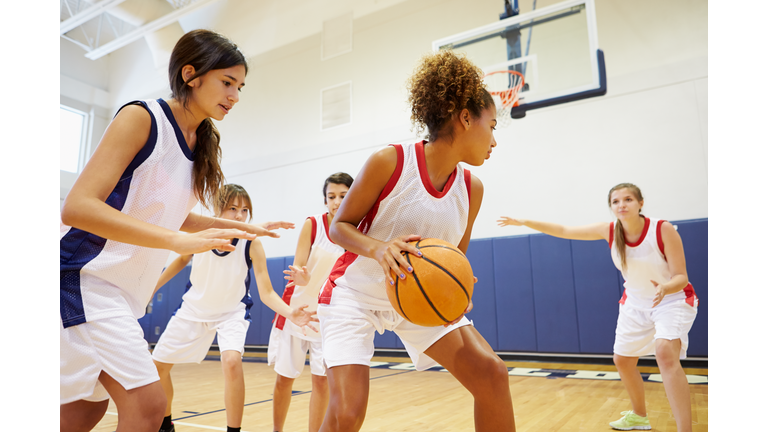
504 87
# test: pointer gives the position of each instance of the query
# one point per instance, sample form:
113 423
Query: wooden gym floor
407 400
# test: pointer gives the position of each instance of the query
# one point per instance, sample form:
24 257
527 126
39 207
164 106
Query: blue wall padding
161 311
387 340
178 290
597 304
694 234
254 329
483 314
164 303
557 328
515 314
159 316
535 293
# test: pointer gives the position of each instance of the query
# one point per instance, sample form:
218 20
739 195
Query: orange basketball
440 287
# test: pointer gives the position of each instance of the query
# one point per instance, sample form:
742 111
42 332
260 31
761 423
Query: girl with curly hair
404 193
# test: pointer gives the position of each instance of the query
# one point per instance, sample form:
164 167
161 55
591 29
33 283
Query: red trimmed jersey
409 204
645 262
322 256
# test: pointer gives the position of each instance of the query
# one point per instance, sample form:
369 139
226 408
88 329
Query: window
72 127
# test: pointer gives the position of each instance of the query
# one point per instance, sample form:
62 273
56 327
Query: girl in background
217 302
315 256
658 306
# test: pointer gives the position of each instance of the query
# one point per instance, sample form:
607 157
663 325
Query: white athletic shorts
113 345
186 341
348 335
289 353
637 330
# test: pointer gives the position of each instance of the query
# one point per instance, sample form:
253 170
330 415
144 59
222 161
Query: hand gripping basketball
438 290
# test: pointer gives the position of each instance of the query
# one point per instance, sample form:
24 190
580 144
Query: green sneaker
631 421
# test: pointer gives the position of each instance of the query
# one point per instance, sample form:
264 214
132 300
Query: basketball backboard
554 48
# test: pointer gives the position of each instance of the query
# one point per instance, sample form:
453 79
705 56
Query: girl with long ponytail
124 215
658 306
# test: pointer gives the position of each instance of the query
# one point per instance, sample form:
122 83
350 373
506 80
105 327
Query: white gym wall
556 164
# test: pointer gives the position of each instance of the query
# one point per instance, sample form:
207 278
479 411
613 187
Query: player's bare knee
622 362
319 383
152 403
83 419
490 373
232 365
667 355
284 383
349 420
163 369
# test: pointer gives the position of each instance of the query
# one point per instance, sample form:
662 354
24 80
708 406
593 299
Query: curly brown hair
443 84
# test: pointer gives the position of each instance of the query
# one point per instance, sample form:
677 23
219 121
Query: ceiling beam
147 28
87 14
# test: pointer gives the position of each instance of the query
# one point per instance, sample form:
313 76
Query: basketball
439 288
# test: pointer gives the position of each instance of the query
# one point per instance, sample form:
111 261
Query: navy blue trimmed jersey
219 285
102 278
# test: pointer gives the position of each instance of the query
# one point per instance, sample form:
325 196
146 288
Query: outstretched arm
597 231
298 271
359 200
673 250
197 222
172 270
299 316
85 206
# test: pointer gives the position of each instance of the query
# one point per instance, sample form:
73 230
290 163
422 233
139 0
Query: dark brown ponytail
204 50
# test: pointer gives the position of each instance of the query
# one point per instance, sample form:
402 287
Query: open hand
302 318
660 293
504 221
203 241
299 275
265 229
389 258
276 224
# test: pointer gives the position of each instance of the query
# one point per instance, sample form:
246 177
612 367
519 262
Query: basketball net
504 87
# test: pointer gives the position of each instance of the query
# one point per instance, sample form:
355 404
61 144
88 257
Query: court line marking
270 400
176 422
549 373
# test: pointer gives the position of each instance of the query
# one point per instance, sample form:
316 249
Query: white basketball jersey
103 278
218 285
322 257
409 204
645 262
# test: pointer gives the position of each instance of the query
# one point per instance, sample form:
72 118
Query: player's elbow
333 232
69 213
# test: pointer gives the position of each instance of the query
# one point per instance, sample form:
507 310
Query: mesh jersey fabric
409 204
105 278
646 262
218 285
